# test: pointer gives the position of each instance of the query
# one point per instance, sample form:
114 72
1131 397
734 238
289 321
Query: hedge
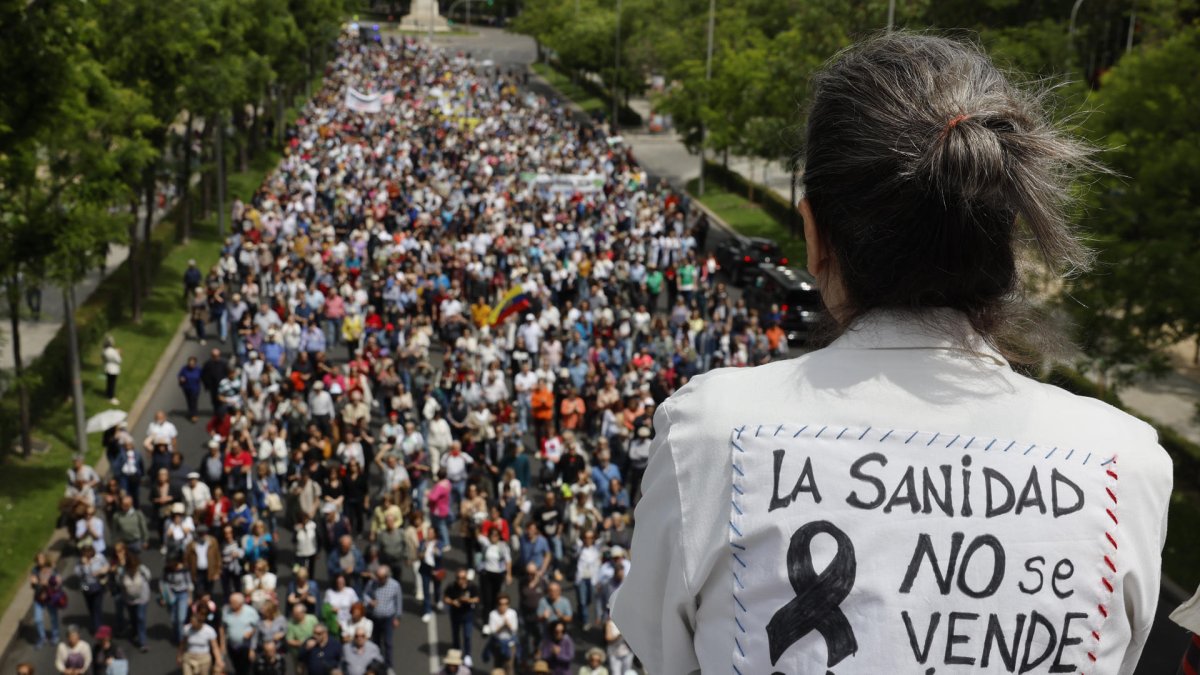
768 199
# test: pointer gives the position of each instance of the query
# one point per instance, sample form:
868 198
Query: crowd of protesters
428 340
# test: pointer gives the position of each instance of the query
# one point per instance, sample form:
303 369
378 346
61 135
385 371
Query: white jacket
810 516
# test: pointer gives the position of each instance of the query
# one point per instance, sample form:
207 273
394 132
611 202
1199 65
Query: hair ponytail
926 168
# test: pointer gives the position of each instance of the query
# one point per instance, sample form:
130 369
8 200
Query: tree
150 47
36 52
1146 219
97 132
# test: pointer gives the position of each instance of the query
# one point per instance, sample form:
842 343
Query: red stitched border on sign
1110 554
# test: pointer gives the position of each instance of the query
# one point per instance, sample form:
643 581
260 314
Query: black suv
792 293
740 257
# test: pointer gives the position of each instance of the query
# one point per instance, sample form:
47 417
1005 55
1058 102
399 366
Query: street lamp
616 73
891 14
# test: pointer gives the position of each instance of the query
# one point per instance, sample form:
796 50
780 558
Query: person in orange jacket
543 410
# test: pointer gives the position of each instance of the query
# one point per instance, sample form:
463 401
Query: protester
199 650
386 600
92 571
48 598
112 368
73 656
135 583
190 382
462 596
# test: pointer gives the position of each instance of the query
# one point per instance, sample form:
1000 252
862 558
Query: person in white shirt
903 501
91 527
196 495
523 384
531 332
350 450
502 626
587 570
273 450
395 475
161 431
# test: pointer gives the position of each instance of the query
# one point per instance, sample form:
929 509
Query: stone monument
424 16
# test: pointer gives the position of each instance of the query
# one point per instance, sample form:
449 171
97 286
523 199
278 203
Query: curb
10 622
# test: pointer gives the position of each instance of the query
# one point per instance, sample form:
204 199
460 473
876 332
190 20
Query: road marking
431 637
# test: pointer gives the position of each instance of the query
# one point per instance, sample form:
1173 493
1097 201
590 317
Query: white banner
569 183
364 103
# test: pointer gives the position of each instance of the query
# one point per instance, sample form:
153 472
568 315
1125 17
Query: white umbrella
105 420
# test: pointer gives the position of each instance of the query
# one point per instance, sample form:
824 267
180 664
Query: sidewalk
35 335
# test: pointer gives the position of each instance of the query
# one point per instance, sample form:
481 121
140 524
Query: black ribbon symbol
818 597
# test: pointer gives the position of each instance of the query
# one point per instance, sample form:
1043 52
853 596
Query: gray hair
922 160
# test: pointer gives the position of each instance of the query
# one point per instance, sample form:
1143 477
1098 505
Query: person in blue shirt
603 473
189 383
272 350
346 558
535 548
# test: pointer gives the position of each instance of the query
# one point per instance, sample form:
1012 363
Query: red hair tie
955 120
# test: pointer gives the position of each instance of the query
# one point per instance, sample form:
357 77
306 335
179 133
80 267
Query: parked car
740 257
789 294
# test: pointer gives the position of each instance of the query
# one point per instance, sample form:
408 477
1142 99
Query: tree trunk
256 128
148 227
281 112
219 130
750 184
76 375
135 268
239 137
14 317
185 184
794 212
205 172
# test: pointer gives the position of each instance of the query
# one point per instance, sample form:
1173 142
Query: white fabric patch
890 551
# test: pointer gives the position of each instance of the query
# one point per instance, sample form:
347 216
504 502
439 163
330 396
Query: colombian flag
515 300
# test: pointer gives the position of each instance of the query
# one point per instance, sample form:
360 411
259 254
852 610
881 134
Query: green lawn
750 219
590 104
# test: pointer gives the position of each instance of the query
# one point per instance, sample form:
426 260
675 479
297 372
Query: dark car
740 257
788 295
